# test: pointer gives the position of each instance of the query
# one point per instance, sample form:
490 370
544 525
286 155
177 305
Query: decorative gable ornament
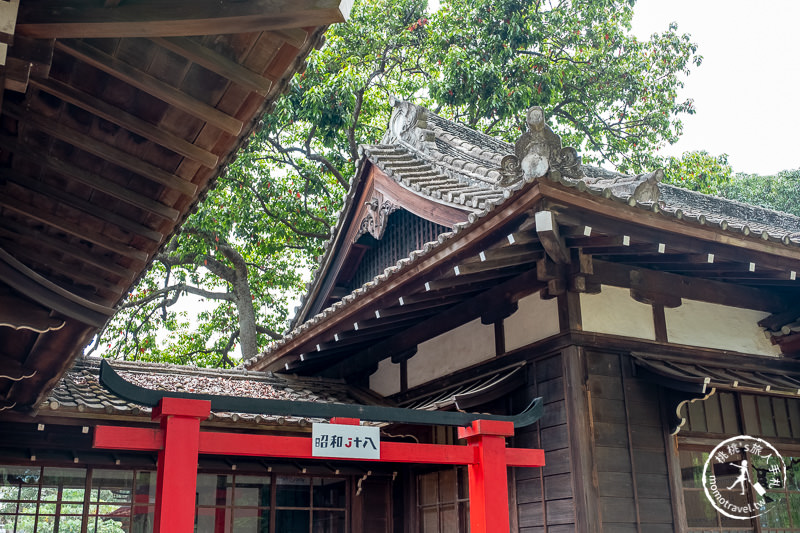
376 217
537 151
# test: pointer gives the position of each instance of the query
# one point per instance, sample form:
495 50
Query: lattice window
404 233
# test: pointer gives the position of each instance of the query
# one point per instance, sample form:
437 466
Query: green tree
780 192
482 62
610 95
699 171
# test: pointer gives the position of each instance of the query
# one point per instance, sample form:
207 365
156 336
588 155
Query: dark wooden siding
629 448
404 233
544 496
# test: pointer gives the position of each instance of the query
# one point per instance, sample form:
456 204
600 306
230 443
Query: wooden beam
452 281
91 209
87 178
38 53
218 63
685 287
16 73
153 86
102 150
509 251
414 308
50 295
86 19
620 219
80 279
130 122
775 321
509 291
103 241
34 237
499 264
21 313
432 296
550 237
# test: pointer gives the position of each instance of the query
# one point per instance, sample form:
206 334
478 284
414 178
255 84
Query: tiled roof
79 392
453 164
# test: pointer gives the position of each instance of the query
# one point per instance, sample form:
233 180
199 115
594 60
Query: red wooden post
176 481
488 481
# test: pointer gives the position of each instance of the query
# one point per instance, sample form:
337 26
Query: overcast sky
747 91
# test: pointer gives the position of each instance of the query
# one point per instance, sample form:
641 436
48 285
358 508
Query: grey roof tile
80 391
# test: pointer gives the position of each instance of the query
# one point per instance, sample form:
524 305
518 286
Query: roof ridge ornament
409 124
537 151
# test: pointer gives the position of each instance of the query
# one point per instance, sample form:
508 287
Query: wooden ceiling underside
116 119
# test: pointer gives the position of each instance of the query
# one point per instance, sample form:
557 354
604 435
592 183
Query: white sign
340 440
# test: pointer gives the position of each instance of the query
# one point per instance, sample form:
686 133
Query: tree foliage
482 62
699 171
780 192
610 95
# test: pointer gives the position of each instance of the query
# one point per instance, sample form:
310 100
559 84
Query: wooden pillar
488 480
176 482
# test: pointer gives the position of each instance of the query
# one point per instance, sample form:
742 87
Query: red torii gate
179 440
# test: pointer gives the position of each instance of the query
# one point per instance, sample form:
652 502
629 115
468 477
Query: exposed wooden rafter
91 209
197 53
153 86
88 178
33 237
85 283
508 291
56 222
103 150
130 122
83 18
46 293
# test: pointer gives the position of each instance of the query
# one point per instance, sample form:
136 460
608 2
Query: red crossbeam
217 443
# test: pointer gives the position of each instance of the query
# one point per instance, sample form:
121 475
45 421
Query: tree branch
181 287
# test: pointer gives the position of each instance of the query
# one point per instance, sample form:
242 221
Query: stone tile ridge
453 149
436 181
732 215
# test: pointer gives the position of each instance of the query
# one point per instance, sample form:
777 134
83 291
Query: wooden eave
512 250
116 120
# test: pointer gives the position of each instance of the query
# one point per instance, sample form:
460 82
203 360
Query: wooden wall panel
545 499
628 440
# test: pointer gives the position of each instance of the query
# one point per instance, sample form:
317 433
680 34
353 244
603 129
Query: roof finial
538 150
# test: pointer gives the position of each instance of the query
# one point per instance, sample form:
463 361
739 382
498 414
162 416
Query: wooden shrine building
467 273
471 275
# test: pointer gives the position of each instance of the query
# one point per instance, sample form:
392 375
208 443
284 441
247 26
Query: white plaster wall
386 380
535 319
459 348
718 326
613 311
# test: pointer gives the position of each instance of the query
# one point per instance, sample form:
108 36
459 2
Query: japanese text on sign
339 440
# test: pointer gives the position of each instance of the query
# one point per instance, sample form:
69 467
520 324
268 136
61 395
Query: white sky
747 90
